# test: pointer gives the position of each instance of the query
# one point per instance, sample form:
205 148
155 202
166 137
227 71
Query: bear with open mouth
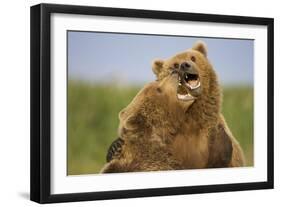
176 122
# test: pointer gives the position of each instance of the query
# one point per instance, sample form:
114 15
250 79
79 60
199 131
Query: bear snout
186 67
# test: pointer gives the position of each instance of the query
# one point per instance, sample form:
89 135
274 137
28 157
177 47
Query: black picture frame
41 98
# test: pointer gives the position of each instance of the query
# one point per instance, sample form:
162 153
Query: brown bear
147 126
206 129
196 136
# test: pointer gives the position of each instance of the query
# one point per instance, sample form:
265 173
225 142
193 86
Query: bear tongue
193 84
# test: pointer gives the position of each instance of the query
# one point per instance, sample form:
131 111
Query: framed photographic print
132 103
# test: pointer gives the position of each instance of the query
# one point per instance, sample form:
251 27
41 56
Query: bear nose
185 66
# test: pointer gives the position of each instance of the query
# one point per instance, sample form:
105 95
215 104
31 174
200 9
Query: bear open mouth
191 81
186 84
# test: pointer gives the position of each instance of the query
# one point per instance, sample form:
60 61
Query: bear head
156 110
197 80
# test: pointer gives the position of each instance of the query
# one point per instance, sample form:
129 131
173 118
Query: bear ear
157 66
201 47
121 114
135 121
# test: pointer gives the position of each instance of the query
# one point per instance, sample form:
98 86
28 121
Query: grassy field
93 121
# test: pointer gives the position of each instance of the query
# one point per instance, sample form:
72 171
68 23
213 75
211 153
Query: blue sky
126 58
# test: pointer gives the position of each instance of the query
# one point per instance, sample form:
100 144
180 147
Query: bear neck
204 113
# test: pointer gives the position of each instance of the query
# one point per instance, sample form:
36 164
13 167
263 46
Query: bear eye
159 90
176 65
193 59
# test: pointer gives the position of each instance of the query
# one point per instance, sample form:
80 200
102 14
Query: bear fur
203 119
161 132
145 132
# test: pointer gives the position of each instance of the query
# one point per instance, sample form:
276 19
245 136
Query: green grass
93 121
238 112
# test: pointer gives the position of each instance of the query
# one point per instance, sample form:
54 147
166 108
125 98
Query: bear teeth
185 97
